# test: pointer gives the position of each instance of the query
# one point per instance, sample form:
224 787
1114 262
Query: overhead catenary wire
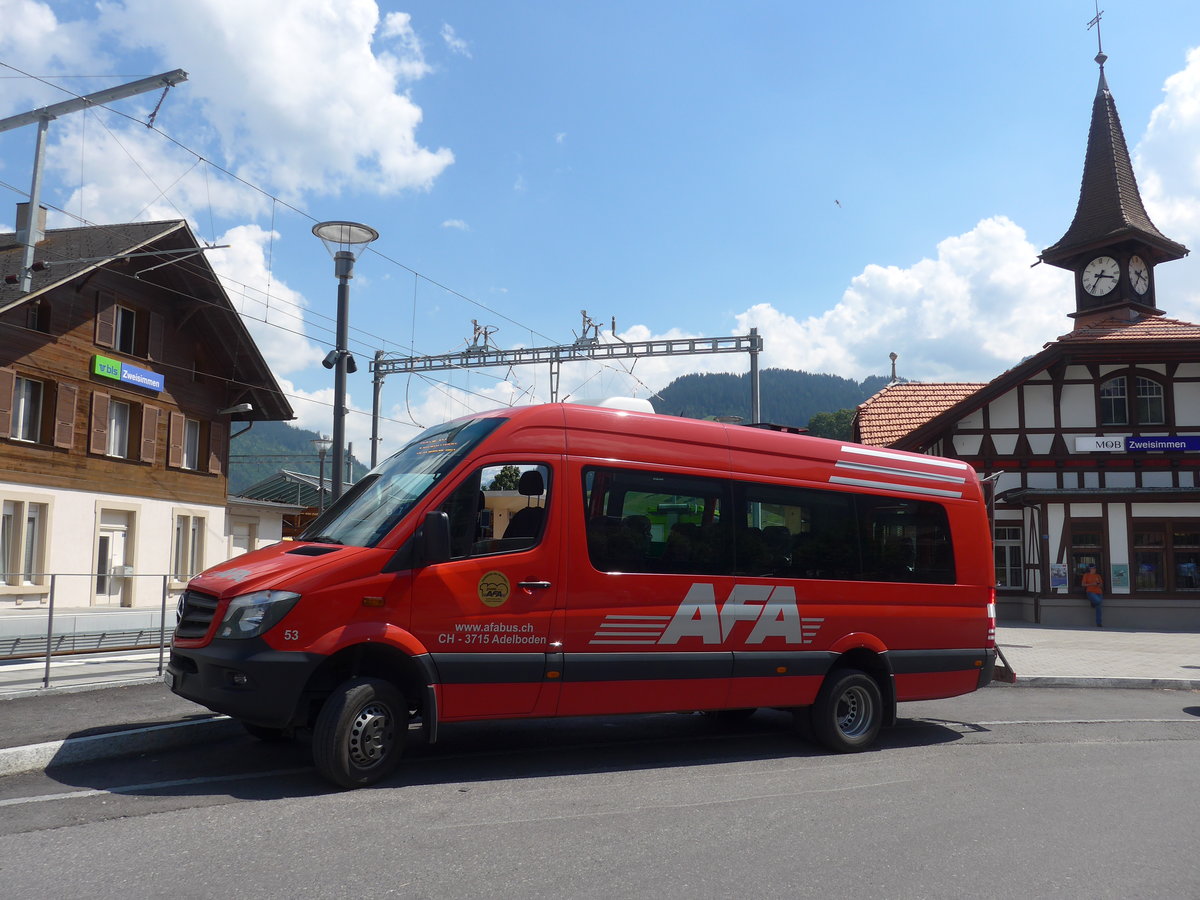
308 318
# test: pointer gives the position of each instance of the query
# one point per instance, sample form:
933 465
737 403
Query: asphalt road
1006 792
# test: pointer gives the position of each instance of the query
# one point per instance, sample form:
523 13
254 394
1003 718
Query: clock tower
1111 246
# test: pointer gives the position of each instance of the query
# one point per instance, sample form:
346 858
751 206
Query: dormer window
1150 401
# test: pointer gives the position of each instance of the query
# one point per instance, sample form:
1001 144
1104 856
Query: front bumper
245 680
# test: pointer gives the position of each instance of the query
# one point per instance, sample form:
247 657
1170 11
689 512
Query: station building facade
1092 446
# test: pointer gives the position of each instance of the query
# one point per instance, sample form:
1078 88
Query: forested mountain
788 397
270 446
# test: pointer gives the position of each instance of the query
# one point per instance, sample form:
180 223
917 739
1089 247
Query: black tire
359 734
265 734
848 712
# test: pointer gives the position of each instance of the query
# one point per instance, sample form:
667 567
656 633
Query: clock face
1139 274
1100 275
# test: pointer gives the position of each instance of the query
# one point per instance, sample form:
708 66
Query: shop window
1185 550
1087 546
1010 568
1149 555
1166 556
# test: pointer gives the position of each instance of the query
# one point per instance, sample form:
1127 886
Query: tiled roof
70 251
903 407
1110 205
1150 328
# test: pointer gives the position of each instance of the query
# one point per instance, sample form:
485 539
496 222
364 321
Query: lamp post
321 445
342 240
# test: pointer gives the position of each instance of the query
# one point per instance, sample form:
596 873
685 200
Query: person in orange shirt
1093 586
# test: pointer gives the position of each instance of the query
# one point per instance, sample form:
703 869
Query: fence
130 628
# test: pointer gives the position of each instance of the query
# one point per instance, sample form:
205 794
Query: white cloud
456 223
271 310
1167 165
967 315
454 42
328 108
33 40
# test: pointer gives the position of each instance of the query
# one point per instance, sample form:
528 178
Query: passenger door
487 613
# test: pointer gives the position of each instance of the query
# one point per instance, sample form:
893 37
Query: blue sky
852 179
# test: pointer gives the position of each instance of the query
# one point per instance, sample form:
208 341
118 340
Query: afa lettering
772 609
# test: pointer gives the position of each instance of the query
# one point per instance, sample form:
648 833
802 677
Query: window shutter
64 416
106 319
99 438
8 382
154 336
218 443
175 440
149 434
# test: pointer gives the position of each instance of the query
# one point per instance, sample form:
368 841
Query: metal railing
49 644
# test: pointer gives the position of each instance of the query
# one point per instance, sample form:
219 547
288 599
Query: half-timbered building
123 369
1092 446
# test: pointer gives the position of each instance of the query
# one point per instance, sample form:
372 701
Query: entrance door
486 614
110 558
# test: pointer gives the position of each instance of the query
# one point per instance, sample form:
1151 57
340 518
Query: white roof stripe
892 486
911 459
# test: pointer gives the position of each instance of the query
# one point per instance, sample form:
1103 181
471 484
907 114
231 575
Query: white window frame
1151 399
1115 393
191 444
1008 537
28 402
118 428
23 542
187 545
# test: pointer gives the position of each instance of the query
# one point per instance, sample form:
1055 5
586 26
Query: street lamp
321 445
342 240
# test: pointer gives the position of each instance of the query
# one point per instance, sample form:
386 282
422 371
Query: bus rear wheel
848 712
359 733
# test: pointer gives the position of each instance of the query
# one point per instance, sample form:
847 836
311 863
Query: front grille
196 611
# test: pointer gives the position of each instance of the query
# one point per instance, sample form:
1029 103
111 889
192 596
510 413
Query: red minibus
570 560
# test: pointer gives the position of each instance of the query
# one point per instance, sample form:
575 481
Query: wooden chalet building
122 372
1092 446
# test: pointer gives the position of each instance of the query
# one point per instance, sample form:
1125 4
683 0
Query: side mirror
430 544
435 538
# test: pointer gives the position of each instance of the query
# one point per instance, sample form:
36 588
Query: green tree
506 480
837 425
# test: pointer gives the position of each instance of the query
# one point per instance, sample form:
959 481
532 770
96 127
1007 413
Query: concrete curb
1084 681
39 757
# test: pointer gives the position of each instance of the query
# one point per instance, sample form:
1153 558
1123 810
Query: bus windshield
373 507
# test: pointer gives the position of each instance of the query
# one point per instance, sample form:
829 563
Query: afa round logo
494 589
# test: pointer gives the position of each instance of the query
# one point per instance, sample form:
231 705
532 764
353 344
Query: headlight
253 614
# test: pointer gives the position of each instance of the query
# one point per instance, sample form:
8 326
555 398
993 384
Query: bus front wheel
848 712
359 733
